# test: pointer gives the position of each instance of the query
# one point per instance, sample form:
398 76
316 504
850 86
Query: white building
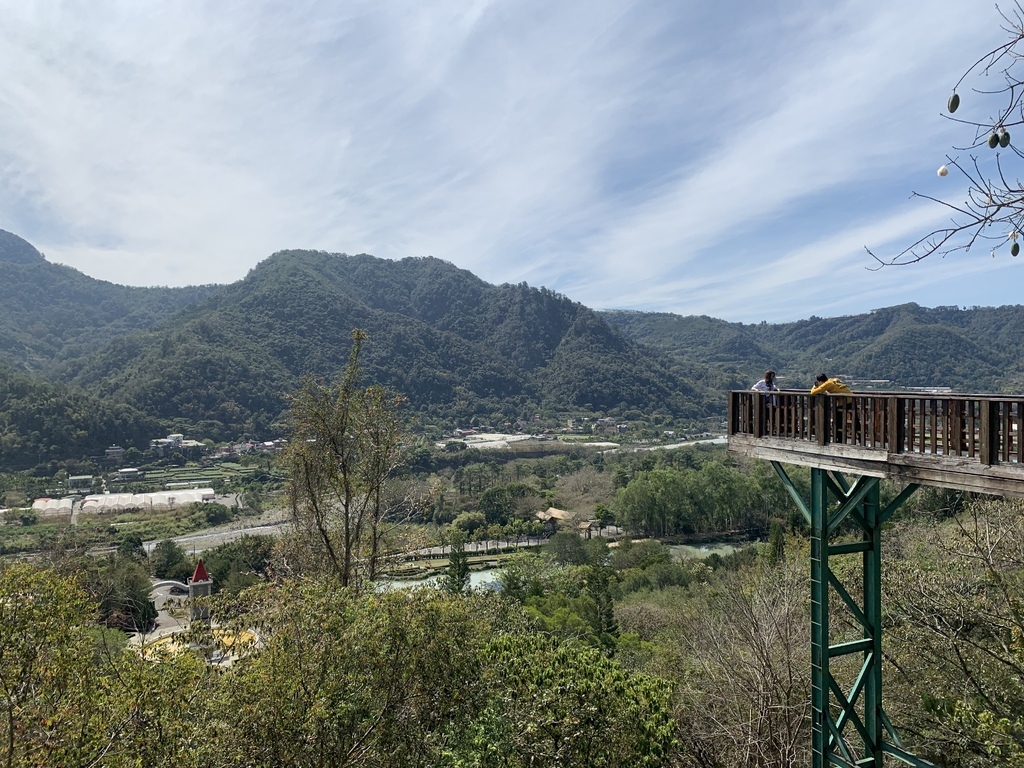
117 502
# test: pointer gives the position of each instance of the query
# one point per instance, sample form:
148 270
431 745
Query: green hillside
456 346
220 361
969 350
42 422
51 312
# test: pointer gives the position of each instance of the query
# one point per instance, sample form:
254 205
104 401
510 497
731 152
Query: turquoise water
490 575
476 579
694 551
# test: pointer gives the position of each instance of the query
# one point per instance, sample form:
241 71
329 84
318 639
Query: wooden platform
965 442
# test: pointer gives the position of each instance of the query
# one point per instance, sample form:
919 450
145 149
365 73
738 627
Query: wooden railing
986 428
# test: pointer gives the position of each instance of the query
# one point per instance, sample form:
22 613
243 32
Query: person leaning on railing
823 385
767 385
834 386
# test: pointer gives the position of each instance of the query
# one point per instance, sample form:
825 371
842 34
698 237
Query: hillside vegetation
51 312
970 350
220 361
42 422
454 345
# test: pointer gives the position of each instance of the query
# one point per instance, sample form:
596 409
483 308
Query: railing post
897 424
759 415
731 413
821 423
957 426
989 432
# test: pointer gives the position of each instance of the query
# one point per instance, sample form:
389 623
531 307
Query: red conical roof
200 573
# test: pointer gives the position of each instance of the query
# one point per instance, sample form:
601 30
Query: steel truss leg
849 726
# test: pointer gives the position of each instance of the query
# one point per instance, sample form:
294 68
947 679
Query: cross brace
836 711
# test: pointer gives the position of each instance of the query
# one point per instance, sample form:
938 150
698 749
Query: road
271 523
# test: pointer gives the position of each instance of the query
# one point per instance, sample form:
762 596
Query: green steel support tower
849 725
969 443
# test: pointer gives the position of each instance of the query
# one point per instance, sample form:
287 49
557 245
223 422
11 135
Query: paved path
268 524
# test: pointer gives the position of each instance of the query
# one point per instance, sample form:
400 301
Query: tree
240 563
499 503
993 213
121 586
343 448
210 512
26 516
566 549
252 497
131 547
456 579
71 695
603 516
339 679
655 503
167 561
957 637
469 521
41 639
600 715
740 650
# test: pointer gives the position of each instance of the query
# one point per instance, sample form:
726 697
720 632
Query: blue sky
727 159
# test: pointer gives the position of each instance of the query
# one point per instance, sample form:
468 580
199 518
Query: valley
461 419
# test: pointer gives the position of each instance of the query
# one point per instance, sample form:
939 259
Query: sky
724 159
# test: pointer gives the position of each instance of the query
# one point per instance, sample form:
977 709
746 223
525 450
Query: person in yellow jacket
823 385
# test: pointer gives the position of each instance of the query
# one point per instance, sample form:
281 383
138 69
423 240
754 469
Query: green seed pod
954 102
1004 140
1015 249
993 140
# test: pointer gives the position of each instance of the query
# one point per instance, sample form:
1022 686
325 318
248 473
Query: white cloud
663 155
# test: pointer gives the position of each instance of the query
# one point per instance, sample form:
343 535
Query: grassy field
200 476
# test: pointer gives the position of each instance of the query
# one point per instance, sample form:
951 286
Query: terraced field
179 477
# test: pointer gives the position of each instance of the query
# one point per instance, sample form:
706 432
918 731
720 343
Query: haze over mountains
219 361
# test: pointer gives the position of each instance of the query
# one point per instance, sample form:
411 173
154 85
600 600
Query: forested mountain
41 422
220 361
970 350
454 345
51 312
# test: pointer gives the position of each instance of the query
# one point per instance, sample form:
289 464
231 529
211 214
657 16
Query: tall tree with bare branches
343 449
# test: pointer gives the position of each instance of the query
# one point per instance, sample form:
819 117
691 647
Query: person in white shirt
767 384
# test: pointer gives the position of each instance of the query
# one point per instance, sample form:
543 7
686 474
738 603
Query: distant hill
456 346
50 312
220 361
970 350
42 422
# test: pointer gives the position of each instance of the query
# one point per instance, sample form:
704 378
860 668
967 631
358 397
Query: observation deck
965 442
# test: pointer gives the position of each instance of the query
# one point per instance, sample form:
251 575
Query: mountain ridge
456 346
220 361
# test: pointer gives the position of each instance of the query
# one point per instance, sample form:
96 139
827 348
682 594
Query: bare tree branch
993 213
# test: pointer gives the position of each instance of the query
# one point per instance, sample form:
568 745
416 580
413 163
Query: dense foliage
590 654
980 349
319 676
454 345
41 422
